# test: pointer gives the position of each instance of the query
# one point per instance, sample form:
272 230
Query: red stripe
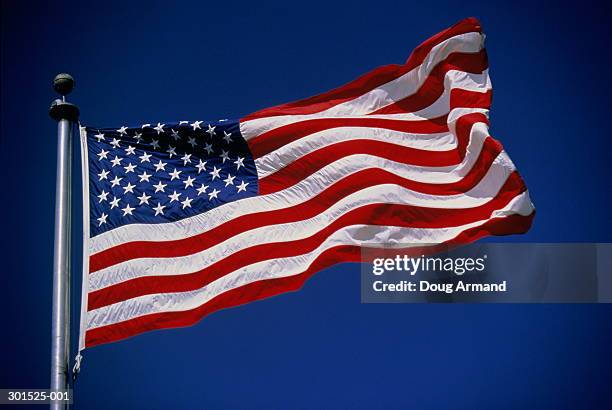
463 128
368 81
373 214
470 99
513 224
276 138
433 87
304 210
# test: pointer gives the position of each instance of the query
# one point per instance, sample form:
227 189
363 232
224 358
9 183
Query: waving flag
189 217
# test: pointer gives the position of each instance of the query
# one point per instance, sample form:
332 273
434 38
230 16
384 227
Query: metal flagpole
65 114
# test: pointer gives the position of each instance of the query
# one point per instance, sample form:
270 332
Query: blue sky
320 347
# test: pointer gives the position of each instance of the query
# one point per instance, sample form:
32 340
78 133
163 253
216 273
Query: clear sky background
320 347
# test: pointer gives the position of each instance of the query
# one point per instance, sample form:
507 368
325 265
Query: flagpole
65 114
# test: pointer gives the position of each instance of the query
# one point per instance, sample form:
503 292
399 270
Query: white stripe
283 267
380 97
462 80
291 196
280 158
482 193
456 80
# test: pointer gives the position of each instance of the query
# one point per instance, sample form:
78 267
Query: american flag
189 217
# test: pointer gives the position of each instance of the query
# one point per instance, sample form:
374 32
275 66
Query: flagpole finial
63 83
61 109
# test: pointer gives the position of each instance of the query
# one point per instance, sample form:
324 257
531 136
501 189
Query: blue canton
159 173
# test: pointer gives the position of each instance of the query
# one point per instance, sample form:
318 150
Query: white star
160 166
159 128
130 150
129 188
227 136
239 163
129 168
115 143
242 186
208 148
171 150
191 141
174 196
211 130
115 181
224 155
160 187
183 122
115 202
144 157
201 190
159 209
144 198
215 173
102 219
116 161
229 180
201 166
196 125
127 210
145 126
102 154
213 194
188 182
187 203
154 143
103 175
144 176
175 135
99 136
122 130
138 137
103 196
186 159
174 174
